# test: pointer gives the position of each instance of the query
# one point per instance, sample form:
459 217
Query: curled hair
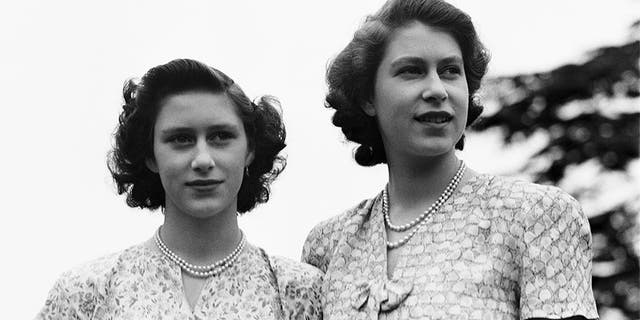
351 75
134 134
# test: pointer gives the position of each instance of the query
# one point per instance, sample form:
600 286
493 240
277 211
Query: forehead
197 108
421 40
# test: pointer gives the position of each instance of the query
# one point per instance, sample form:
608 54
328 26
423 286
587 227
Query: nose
434 90
203 161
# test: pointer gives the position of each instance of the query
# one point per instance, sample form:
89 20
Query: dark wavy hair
351 75
134 134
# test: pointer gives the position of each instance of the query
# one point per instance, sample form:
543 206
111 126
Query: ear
249 159
151 164
369 109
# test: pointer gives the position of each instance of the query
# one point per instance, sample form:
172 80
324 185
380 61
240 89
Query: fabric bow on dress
379 295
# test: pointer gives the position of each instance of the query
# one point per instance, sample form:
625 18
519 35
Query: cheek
391 104
237 168
234 162
460 98
462 109
169 164
458 89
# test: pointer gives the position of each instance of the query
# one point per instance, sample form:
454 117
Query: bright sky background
62 69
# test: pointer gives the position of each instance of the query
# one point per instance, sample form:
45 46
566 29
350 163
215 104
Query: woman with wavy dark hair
440 241
189 141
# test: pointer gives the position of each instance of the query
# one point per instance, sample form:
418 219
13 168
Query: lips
204 183
434 117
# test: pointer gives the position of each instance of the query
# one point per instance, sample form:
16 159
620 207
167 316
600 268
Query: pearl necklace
420 221
201 271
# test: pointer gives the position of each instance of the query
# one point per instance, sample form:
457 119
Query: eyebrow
455 59
172 130
406 60
452 60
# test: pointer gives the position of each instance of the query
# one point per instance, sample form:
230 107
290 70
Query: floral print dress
497 249
140 283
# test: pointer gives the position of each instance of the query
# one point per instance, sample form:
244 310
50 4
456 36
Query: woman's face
200 151
420 95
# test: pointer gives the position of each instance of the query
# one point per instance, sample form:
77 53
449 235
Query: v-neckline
176 273
197 303
379 229
377 221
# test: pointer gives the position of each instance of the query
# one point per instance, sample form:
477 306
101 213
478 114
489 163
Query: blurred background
561 103
579 123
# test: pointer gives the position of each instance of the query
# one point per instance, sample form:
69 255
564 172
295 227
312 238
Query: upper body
190 142
497 249
439 242
141 283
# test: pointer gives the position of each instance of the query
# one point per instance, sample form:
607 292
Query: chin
434 149
204 210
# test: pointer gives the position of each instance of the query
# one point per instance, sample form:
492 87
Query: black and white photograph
365 159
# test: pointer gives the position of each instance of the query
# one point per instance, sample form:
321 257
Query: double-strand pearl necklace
201 271
420 221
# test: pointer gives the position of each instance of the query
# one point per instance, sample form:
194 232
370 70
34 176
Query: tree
589 114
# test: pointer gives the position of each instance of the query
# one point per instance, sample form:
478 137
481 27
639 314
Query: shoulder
79 290
509 187
336 223
100 270
295 273
548 201
554 242
322 239
89 274
299 285
529 197
541 208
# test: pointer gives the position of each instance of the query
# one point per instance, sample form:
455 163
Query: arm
70 298
299 287
555 274
315 249
321 241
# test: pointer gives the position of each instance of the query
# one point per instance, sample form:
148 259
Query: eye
451 71
180 140
221 137
410 71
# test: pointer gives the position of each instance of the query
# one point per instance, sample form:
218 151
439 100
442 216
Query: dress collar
366 237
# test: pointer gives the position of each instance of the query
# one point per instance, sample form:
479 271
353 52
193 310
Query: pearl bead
420 221
201 271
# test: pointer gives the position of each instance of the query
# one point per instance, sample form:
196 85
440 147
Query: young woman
190 142
440 241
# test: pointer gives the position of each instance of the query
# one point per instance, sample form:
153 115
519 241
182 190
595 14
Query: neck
415 185
200 241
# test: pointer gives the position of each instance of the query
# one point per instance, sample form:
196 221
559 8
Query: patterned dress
140 283
497 249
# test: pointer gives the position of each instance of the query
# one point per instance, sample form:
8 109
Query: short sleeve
300 289
555 275
70 298
320 242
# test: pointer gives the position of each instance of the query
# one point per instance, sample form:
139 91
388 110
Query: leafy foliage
589 113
